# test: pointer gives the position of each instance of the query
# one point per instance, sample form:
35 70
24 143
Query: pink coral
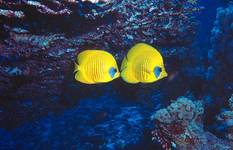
180 125
42 7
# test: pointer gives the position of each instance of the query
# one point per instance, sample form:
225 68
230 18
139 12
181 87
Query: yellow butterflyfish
143 64
95 66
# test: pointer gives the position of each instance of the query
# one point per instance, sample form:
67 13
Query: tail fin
76 67
127 73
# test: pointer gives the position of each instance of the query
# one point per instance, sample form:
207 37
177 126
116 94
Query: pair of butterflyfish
142 64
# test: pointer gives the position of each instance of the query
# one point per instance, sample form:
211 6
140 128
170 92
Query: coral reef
35 61
219 58
208 66
226 120
40 40
36 56
167 23
37 5
163 22
222 39
49 15
170 20
180 126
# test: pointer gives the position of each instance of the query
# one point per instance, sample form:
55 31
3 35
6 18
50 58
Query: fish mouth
117 75
165 74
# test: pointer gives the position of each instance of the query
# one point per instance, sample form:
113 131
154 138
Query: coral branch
10 13
46 10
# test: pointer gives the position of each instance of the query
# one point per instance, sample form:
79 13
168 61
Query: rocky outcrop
37 51
180 126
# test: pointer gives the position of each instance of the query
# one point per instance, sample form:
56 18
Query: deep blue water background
207 19
105 118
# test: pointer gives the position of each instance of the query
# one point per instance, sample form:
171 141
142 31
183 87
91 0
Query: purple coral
42 7
180 125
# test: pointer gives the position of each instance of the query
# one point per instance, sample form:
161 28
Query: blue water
207 19
116 115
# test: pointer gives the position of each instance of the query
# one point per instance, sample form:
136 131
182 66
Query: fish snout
118 74
165 74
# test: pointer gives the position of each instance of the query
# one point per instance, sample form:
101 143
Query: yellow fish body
95 66
144 64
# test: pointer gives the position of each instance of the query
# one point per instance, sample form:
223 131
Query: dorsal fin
141 49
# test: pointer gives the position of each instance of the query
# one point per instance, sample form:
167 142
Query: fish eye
157 71
112 71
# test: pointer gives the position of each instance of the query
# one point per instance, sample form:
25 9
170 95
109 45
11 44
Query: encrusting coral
37 51
124 23
180 126
39 6
226 120
158 22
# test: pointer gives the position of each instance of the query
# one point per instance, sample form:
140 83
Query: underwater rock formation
37 63
167 23
157 22
180 126
219 58
222 34
226 120
28 63
41 7
49 15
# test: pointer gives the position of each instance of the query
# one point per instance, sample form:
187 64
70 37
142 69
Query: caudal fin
76 67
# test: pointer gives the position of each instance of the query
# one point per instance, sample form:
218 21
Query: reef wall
181 125
222 41
40 40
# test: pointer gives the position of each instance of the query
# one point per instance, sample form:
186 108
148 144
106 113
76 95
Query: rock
222 34
37 62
